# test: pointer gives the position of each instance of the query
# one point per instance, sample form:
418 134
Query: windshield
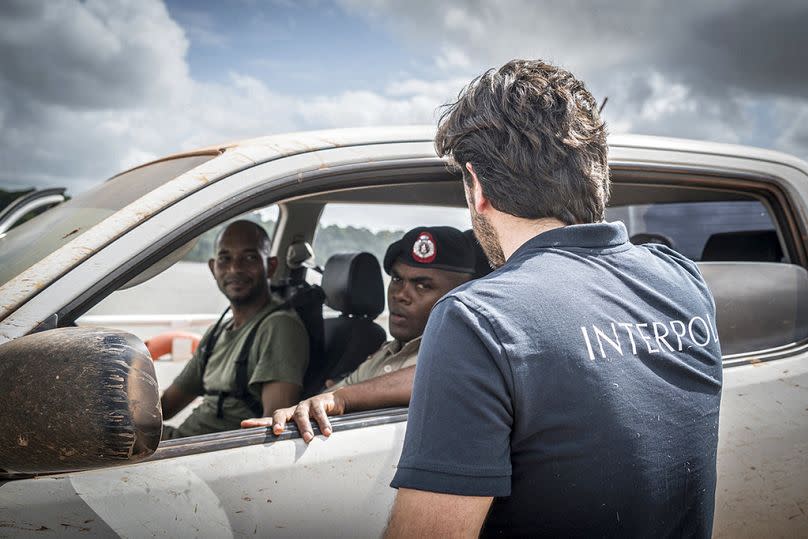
32 241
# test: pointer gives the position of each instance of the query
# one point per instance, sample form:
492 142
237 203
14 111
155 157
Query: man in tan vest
424 265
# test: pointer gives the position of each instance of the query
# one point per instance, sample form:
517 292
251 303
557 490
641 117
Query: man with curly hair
575 390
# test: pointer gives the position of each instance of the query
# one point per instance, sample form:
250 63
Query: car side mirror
76 399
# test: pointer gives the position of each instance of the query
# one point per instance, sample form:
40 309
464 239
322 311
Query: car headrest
651 237
746 245
353 284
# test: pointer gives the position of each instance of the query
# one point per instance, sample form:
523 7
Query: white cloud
441 90
689 69
452 58
199 26
135 157
88 89
457 19
667 99
75 83
794 136
135 57
91 54
366 108
652 104
741 45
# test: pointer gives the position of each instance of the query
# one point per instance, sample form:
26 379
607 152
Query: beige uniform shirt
392 356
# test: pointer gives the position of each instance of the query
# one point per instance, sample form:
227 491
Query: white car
79 406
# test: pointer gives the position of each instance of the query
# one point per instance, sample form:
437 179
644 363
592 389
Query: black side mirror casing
76 399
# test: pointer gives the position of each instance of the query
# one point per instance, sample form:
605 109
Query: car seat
651 237
353 286
306 299
746 245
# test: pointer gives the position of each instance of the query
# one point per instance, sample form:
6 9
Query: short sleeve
460 415
282 345
351 379
365 371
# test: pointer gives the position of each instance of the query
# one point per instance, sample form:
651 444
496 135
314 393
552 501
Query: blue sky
295 47
89 88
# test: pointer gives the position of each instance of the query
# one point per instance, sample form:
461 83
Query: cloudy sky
90 88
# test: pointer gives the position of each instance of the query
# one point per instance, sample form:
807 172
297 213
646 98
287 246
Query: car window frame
766 186
229 439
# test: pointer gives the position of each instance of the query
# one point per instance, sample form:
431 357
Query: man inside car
425 264
252 363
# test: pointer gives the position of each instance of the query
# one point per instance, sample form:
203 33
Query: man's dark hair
533 134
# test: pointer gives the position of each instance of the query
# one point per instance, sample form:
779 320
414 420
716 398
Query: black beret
439 247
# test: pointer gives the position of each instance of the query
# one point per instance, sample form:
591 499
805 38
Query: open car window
741 255
372 228
705 231
186 287
176 296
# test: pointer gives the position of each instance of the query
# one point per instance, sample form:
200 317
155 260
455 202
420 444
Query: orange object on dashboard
174 343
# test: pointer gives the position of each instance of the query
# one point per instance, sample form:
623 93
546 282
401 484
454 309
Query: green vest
279 352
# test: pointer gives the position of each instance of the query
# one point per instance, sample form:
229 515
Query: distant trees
202 251
337 239
327 241
7 197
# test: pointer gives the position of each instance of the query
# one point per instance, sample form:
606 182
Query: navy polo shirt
579 385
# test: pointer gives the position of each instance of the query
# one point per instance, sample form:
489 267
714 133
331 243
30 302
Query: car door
230 483
226 485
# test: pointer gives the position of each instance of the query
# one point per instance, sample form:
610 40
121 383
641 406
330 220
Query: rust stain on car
80 528
75 230
28 527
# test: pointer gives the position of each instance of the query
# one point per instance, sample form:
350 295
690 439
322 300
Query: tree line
328 240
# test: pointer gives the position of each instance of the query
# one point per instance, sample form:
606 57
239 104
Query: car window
705 231
372 228
735 243
35 239
182 296
181 299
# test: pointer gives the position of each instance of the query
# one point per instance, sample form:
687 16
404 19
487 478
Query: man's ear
475 192
211 262
272 265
